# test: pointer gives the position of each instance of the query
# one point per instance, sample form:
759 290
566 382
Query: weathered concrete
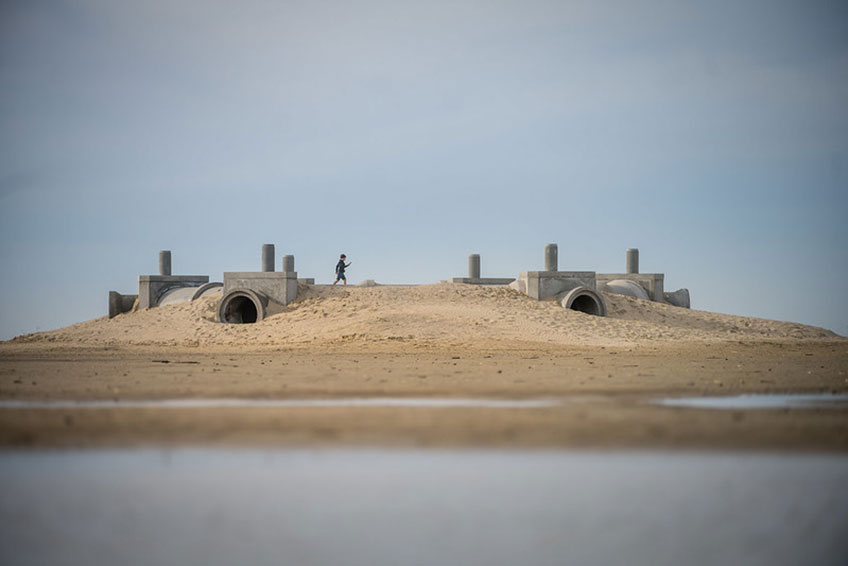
632 261
165 262
627 288
119 304
278 289
152 287
546 284
242 306
651 282
585 300
474 266
268 259
551 259
207 290
288 263
679 298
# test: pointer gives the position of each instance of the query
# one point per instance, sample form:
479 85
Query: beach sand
434 341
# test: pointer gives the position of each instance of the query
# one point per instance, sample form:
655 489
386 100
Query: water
779 401
374 507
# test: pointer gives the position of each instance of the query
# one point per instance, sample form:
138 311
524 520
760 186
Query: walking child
340 270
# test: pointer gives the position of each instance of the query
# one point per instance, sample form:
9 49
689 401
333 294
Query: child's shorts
340 276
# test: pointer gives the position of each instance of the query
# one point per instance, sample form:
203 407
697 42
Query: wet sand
613 386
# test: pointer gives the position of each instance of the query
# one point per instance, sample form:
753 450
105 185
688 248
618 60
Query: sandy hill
420 316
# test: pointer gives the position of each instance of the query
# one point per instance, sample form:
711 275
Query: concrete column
288 264
165 262
268 257
632 265
474 266
551 258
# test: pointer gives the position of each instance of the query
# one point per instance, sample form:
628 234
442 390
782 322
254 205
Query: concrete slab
483 280
651 282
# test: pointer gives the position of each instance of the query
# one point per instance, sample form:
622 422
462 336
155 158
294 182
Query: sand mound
419 316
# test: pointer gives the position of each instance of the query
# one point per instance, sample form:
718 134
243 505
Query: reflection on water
372 507
779 401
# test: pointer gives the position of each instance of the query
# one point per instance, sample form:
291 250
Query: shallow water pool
375 506
761 401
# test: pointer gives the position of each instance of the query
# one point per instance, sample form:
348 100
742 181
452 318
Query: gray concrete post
551 263
165 262
288 264
632 264
474 266
268 257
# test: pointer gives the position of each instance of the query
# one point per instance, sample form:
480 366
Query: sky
713 136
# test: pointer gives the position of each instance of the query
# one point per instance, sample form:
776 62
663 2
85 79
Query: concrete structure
288 264
551 257
632 262
119 304
652 283
575 290
679 298
165 262
474 275
151 288
474 266
251 296
184 294
626 287
585 300
268 259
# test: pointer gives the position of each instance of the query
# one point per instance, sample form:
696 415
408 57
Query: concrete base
541 285
483 280
152 287
651 282
307 281
119 304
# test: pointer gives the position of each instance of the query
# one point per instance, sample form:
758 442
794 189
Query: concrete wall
119 304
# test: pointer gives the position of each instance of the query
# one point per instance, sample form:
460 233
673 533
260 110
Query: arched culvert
242 306
585 300
207 289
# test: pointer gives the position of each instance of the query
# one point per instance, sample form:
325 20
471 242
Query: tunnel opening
587 304
584 300
240 310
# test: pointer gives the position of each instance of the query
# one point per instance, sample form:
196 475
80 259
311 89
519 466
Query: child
340 267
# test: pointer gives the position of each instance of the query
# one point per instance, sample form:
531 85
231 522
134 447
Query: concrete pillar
551 258
474 266
165 262
632 265
288 264
268 257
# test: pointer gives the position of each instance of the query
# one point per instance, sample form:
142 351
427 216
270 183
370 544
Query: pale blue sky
711 135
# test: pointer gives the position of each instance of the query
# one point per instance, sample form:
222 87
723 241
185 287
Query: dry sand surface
440 340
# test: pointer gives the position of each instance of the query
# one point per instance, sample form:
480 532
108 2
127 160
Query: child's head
343 256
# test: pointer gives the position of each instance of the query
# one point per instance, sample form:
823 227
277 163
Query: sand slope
460 315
